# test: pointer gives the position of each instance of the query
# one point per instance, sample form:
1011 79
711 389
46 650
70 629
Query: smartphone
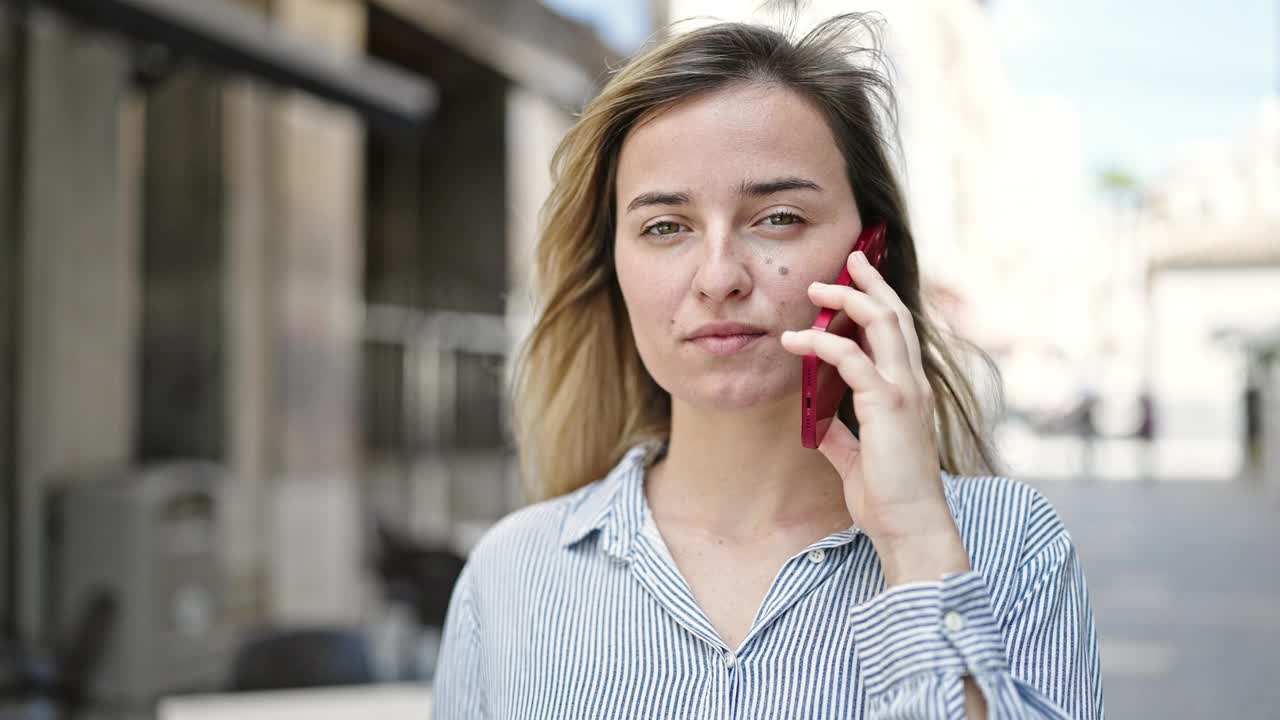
824 389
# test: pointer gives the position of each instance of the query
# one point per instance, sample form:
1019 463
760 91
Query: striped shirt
573 608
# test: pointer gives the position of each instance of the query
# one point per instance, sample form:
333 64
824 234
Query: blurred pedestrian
1255 378
1146 433
690 558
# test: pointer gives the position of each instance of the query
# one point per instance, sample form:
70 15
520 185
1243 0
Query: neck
743 474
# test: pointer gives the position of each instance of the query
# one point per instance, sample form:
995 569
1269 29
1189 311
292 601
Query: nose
722 274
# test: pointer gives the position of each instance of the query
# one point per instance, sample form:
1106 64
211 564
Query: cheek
790 296
650 305
650 294
791 288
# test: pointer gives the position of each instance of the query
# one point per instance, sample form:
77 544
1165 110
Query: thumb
841 448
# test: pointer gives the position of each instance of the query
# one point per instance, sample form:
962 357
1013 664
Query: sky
1145 76
622 24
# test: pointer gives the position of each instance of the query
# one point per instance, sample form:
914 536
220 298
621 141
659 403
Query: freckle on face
783 270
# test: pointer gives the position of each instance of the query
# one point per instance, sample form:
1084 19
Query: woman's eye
783 218
664 227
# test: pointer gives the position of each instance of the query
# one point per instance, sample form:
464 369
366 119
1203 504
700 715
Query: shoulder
1015 539
1002 516
533 542
536 525
526 538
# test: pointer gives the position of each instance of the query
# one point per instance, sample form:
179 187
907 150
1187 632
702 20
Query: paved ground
1185 580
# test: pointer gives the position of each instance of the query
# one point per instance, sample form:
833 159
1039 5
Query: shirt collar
616 505
952 495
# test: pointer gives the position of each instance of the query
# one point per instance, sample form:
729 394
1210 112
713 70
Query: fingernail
862 258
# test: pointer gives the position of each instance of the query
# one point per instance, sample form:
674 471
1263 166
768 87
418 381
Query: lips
726 338
726 329
726 344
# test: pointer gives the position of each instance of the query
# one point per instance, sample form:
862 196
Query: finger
881 323
857 370
869 280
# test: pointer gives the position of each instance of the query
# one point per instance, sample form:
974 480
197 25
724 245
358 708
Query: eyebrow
770 187
747 189
658 198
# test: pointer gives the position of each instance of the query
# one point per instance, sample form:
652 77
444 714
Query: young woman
689 558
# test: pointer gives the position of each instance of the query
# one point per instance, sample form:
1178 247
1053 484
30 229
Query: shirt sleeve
457 692
917 642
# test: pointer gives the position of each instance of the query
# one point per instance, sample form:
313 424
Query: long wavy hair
581 394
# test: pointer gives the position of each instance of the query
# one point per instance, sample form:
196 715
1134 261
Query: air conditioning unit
134 566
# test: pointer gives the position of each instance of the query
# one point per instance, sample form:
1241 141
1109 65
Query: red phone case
823 386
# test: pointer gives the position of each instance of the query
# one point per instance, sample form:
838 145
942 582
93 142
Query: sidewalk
1185 582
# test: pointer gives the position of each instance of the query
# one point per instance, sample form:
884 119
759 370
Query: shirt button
817 556
954 621
728 659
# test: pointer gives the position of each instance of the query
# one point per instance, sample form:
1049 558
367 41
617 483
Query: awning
224 34
1221 246
535 47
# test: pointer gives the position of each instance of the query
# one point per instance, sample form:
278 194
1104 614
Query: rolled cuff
941 627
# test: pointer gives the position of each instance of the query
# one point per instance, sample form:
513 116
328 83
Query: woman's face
729 206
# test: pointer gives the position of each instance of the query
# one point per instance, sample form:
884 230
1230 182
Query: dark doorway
436 201
183 380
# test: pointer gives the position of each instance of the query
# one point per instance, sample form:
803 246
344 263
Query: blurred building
286 237
1211 229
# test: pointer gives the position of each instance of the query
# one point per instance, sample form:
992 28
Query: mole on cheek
782 270
768 261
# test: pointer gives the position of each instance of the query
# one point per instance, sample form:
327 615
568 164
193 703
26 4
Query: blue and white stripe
572 608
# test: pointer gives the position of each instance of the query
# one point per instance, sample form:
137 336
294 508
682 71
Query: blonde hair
582 397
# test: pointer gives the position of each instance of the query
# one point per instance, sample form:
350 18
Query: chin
736 391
